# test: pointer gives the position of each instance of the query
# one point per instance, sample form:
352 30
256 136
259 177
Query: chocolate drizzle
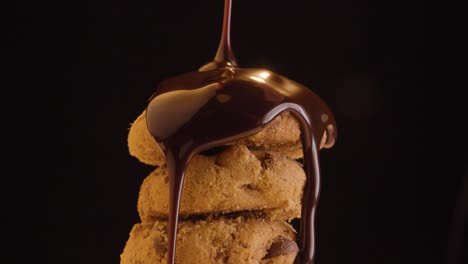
220 104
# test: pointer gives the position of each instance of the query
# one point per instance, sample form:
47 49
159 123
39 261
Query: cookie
234 180
222 241
142 145
282 135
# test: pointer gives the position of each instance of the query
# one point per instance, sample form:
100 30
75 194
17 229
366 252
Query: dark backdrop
392 71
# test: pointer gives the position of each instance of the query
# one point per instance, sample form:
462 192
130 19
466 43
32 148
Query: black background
392 71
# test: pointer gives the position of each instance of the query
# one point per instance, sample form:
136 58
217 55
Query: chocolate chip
267 161
160 246
280 247
250 187
221 257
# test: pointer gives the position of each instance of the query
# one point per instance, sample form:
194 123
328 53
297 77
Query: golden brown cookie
221 241
231 181
142 145
281 135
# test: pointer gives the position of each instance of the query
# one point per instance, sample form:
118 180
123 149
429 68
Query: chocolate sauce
220 104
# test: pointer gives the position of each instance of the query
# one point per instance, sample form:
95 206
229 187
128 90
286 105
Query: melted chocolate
220 104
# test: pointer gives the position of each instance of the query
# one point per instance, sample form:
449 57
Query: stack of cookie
236 200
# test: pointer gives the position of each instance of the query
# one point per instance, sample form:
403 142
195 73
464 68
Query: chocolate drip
225 56
220 104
